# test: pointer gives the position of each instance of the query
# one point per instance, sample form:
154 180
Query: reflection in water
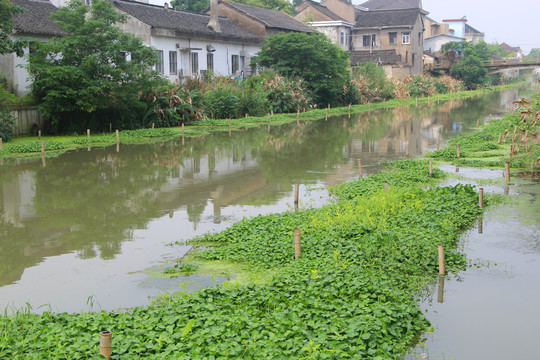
92 203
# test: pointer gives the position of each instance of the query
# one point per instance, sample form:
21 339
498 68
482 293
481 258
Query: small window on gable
173 62
235 64
194 63
406 38
159 62
392 38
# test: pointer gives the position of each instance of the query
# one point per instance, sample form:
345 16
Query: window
159 62
33 46
392 38
173 62
88 2
194 63
369 40
342 38
406 38
210 62
419 37
235 64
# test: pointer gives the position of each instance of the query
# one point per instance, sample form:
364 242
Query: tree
84 78
322 65
468 61
7 10
191 5
533 54
278 5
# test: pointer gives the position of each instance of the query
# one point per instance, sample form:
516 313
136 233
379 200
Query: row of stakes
105 343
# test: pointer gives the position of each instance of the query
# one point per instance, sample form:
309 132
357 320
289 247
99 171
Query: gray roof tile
36 19
186 22
271 18
384 57
406 17
392 4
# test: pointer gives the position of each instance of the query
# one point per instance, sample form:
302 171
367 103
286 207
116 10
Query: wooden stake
507 168
183 141
457 151
500 136
105 343
110 127
478 123
417 101
272 112
296 191
441 260
268 117
359 168
1 143
153 125
298 116
430 168
438 139
117 147
39 134
88 132
386 187
349 110
42 147
440 292
326 116
481 198
297 244
480 225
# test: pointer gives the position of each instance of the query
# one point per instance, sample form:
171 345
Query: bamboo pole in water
42 147
457 151
507 170
297 244
438 139
440 292
88 132
481 198
441 260
117 136
296 191
105 343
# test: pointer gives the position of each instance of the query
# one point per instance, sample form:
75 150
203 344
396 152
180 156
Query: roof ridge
245 13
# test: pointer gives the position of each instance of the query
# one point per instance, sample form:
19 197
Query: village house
35 25
190 44
460 29
259 21
517 52
386 32
337 29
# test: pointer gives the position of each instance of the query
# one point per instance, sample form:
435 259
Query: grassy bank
30 146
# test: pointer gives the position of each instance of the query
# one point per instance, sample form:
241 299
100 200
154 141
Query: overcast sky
515 22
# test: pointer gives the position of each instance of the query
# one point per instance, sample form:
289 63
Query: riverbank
31 146
349 294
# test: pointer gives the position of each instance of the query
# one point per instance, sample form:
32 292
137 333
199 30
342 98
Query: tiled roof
470 30
185 22
36 19
406 17
384 57
322 9
392 4
270 18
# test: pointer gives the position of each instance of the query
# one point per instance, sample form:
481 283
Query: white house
34 24
187 43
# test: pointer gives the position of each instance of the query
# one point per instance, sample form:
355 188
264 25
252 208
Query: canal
87 230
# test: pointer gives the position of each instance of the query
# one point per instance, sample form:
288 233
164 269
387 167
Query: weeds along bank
30 146
349 295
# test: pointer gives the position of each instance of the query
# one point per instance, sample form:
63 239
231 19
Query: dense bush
7 124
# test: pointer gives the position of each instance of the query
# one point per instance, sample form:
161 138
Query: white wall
222 55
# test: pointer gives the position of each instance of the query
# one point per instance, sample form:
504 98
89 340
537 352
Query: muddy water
89 229
490 311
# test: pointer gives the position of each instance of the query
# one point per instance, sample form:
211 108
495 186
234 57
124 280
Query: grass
30 146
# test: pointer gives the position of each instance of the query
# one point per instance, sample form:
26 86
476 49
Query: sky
516 22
